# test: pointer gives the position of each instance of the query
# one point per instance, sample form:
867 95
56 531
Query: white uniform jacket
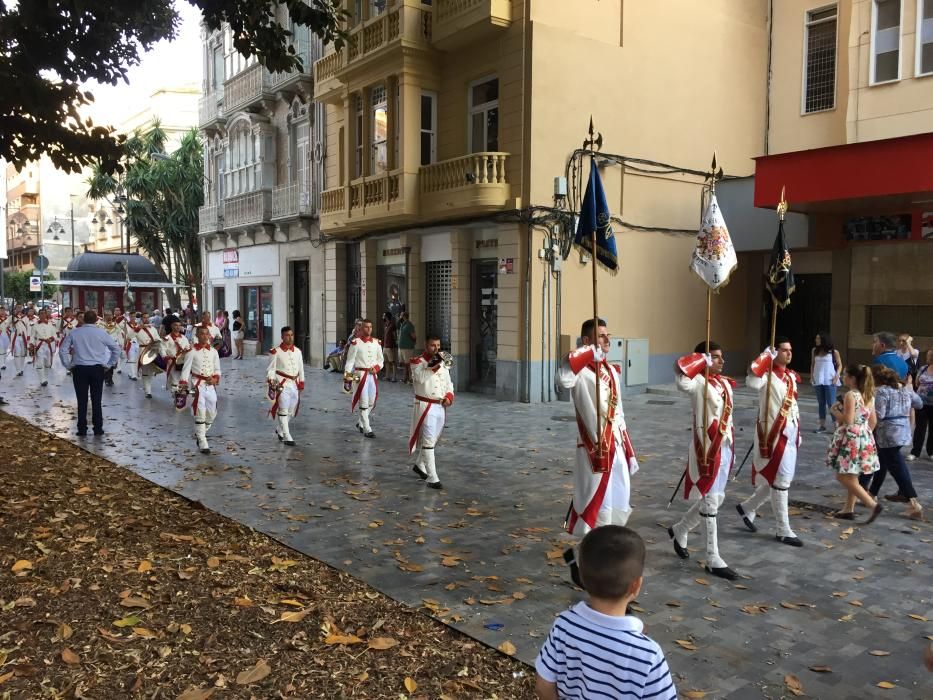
431 386
201 362
775 453
364 361
601 484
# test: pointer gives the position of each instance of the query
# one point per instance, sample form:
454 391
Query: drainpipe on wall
768 84
526 197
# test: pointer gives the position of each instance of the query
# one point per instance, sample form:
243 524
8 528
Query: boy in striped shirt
594 649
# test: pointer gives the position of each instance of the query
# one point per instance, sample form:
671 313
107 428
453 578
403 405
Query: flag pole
713 176
592 142
781 210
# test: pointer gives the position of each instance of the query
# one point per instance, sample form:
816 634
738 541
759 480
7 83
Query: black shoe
98 433
571 561
148 396
4 402
792 541
722 572
874 514
205 450
437 486
44 384
290 443
81 433
360 428
279 436
422 474
370 434
680 551
896 498
132 379
745 519
844 515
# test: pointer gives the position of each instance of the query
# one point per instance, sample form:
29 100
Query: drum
160 362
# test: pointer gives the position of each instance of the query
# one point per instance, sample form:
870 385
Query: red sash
601 464
413 440
359 389
275 404
765 446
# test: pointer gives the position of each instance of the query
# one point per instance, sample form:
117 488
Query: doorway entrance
484 311
807 314
300 303
256 306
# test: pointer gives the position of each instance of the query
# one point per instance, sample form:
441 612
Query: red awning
858 177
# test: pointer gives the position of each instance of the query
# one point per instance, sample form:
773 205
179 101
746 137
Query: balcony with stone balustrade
211 110
249 89
470 185
292 202
459 23
210 218
247 210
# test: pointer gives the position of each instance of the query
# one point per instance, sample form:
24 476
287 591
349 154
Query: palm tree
160 196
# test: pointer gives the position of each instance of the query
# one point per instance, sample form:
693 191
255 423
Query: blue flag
594 216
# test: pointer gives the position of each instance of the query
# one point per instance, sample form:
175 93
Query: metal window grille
437 300
821 60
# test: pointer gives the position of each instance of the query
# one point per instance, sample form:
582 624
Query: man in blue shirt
883 347
88 351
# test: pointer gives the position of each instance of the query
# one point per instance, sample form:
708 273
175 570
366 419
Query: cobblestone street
483 554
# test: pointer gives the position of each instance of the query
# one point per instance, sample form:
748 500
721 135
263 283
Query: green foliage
161 200
50 50
16 286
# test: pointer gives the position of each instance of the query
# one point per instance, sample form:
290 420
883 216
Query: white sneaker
911 458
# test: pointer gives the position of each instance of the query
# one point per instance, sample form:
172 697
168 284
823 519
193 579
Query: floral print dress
852 450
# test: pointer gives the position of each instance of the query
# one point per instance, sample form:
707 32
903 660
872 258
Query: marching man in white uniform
22 331
709 462
285 376
6 333
434 393
130 346
364 361
211 328
605 459
174 347
147 336
201 372
43 342
775 453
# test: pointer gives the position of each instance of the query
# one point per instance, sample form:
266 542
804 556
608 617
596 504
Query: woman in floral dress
852 451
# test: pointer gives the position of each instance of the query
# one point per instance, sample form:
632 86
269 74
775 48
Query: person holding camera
434 393
89 351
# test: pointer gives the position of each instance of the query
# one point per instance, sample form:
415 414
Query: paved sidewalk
482 554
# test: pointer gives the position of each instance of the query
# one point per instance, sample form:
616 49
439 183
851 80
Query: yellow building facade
450 133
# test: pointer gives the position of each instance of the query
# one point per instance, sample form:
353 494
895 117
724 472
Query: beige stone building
263 253
848 132
449 129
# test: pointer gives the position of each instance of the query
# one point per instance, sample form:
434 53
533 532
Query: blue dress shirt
890 359
87 346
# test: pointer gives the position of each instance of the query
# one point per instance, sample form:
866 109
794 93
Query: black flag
780 274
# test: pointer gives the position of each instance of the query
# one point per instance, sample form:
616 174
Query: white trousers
19 353
43 361
367 399
4 348
431 429
206 412
132 355
288 403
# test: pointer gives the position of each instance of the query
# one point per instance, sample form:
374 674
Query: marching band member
130 326
605 458
43 341
775 454
146 337
174 347
364 360
115 332
285 376
6 333
214 331
707 472
201 370
22 331
434 392
119 334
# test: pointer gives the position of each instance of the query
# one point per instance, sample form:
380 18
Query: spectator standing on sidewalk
883 347
825 366
909 354
406 338
390 346
923 432
88 352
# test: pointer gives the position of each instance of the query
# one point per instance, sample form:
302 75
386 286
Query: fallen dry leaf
21 565
344 639
127 621
914 616
135 602
5 677
294 615
193 693
143 632
887 685
695 694
507 648
381 643
69 657
821 669
213 562
410 684
790 606
686 644
879 652
144 566
793 684
64 631
254 674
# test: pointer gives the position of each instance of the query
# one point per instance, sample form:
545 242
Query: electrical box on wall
636 361
560 186
616 354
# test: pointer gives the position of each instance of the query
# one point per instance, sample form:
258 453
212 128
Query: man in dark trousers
88 352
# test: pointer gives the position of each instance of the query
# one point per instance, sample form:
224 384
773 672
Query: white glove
598 354
708 358
771 351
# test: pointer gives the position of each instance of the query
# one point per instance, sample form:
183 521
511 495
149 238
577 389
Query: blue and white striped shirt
591 655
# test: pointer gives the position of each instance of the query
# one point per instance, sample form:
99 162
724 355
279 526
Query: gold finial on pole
782 205
713 175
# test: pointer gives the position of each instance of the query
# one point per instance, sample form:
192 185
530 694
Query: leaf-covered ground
111 587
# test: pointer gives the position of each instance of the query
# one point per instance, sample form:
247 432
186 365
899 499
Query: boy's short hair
611 558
